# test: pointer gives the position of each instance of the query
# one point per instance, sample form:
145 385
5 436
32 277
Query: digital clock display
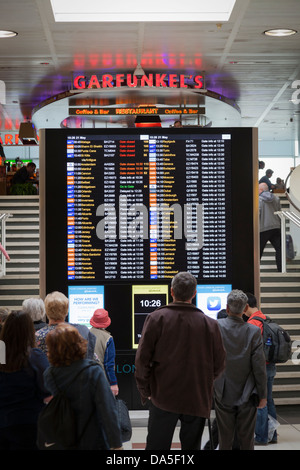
145 303
145 299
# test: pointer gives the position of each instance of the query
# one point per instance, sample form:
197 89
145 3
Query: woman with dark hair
22 390
84 383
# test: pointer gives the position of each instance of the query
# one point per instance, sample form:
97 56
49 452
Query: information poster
212 298
83 301
145 299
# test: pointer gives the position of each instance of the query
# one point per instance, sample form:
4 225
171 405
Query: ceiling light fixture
135 10
280 32
139 72
7 34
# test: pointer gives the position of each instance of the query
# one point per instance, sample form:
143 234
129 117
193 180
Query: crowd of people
186 365
43 353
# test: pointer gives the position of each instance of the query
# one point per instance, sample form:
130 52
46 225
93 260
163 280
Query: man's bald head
262 187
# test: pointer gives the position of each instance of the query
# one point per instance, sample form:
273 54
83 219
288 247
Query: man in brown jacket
180 354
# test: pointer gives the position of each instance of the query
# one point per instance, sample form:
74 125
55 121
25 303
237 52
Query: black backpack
277 341
57 423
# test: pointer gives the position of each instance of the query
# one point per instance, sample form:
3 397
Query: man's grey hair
184 286
35 308
237 301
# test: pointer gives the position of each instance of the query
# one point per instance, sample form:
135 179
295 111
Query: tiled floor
288 431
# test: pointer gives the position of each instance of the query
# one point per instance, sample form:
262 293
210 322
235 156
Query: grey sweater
268 204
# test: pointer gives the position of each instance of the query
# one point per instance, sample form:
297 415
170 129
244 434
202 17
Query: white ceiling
241 63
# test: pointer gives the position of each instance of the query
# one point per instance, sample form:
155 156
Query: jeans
261 428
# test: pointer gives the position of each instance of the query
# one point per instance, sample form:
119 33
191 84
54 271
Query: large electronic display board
124 210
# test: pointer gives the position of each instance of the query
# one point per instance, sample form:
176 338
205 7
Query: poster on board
83 301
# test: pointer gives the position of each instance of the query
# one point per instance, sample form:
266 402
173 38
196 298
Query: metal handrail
3 217
291 216
296 220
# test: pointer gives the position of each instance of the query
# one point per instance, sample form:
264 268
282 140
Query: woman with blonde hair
57 305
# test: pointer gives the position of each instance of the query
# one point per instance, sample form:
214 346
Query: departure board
122 210
148 206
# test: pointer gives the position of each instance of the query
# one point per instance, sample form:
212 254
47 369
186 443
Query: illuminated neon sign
133 111
161 80
9 139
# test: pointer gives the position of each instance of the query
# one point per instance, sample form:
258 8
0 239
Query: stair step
291 316
280 305
23 260
18 297
280 294
15 212
288 326
12 270
23 235
21 227
13 220
22 276
16 287
15 243
286 388
289 374
289 363
23 252
275 284
25 205
287 401
278 274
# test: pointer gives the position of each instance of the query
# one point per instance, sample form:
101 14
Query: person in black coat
22 390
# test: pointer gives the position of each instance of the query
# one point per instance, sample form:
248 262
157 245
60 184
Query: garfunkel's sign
81 82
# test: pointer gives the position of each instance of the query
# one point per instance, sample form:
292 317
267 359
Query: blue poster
212 298
83 301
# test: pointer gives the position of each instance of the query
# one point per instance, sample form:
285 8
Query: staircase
22 244
280 299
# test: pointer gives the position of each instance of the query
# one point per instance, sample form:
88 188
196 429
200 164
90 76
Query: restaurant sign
140 111
161 80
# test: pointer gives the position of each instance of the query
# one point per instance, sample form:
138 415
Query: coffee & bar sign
161 80
142 111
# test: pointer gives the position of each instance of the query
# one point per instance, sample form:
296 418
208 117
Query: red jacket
257 322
